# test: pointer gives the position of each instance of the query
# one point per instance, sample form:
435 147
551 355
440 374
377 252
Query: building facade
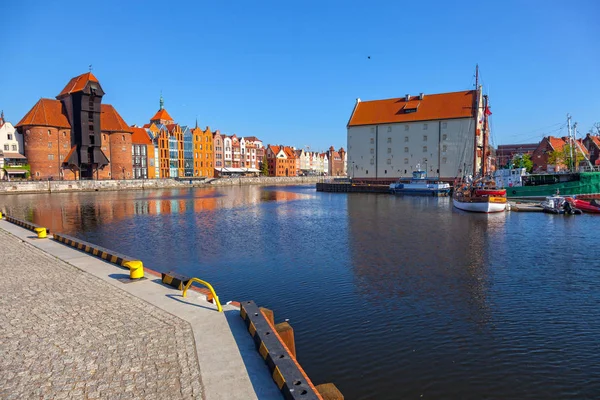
592 144
142 153
12 162
281 161
203 152
388 139
506 152
74 136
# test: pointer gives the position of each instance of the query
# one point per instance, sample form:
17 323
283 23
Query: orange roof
556 143
140 136
78 83
111 121
46 112
161 114
289 152
432 106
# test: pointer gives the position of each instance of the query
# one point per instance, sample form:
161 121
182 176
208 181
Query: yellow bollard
136 269
41 232
0 215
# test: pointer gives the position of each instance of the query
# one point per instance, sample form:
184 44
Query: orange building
281 161
203 152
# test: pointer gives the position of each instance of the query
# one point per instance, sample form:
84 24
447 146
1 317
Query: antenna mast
476 119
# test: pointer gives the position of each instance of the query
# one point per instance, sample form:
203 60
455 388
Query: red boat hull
490 192
584 206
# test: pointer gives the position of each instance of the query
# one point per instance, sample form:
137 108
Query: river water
390 297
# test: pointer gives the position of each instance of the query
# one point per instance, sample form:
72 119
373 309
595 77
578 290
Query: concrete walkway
70 329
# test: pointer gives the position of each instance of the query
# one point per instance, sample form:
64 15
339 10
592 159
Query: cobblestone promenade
67 334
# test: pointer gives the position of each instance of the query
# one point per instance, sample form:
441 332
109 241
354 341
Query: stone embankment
142 184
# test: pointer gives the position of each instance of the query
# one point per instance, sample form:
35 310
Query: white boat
420 185
479 197
489 206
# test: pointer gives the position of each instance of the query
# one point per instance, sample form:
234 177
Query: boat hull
584 206
490 206
588 184
421 192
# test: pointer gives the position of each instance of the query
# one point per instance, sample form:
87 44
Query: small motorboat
559 205
592 206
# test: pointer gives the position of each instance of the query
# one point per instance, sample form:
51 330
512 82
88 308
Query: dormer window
411 107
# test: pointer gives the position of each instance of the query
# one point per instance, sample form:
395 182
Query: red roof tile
161 114
78 83
46 112
140 136
432 106
111 121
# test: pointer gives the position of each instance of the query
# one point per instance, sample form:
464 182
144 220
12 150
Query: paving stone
67 334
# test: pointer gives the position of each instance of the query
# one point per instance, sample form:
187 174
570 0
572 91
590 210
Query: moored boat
466 198
592 206
420 185
559 205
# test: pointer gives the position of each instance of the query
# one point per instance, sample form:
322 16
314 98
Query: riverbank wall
17 187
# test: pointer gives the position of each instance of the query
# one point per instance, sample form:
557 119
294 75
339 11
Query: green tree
563 156
264 167
523 161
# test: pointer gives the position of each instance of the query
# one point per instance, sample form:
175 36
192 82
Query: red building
76 136
506 152
281 161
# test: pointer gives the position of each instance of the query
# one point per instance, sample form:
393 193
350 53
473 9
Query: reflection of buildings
424 253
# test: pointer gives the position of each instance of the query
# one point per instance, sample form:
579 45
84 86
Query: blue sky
289 72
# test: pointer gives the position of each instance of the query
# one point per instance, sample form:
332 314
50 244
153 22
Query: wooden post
269 315
329 392
286 332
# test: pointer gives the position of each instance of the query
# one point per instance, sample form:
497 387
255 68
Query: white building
11 146
390 138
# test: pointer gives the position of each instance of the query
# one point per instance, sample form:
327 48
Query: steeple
162 101
196 122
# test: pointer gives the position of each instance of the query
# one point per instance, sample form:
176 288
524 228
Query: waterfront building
336 165
254 153
219 153
506 152
203 152
549 144
227 152
592 144
281 161
142 152
188 151
323 167
388 139
235 152
76 136
12 162
168 139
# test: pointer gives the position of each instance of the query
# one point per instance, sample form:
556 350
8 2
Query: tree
563 156
523 161
264 167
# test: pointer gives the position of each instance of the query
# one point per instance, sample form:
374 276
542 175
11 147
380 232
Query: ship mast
485 124
476 119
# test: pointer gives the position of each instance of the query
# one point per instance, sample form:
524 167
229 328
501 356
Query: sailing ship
479 194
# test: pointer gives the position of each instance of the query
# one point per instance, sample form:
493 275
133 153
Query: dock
525 207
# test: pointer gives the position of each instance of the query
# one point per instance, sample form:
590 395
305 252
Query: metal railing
208 285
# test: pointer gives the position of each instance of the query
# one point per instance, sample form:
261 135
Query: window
406 149
372 161
444 148
9 136
424 149
405 162
62 157
49 145
49 133
424 138
444 160
123 137
64 133
406 127
389 150
405 138
389 161
444 125
14 147
389 140
372 141
372 151
389 128
424 127
50 156
444 136
6 147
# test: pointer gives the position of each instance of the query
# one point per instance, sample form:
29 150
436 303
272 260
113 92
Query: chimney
421 95
407 97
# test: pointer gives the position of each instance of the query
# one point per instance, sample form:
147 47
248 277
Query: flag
487 111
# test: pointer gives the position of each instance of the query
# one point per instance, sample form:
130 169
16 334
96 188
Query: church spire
162 101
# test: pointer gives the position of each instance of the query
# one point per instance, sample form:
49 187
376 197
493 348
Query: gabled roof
78 83
111 121
289 152
46 112
140 136
251 138
161 114
431 107
558 144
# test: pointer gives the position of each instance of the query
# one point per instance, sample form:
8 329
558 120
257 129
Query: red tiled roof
111 121
161 114
46 112
556 143
146 126
140 136
289 152
78 83
432 106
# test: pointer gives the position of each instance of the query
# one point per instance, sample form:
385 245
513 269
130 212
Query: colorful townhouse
281 161
13 164
142 153
203 152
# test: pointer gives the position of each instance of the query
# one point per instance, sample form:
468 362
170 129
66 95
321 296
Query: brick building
76 136
546 147
506 152
592 144
337 166
281 161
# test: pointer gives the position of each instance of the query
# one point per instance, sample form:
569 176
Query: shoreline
32 187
